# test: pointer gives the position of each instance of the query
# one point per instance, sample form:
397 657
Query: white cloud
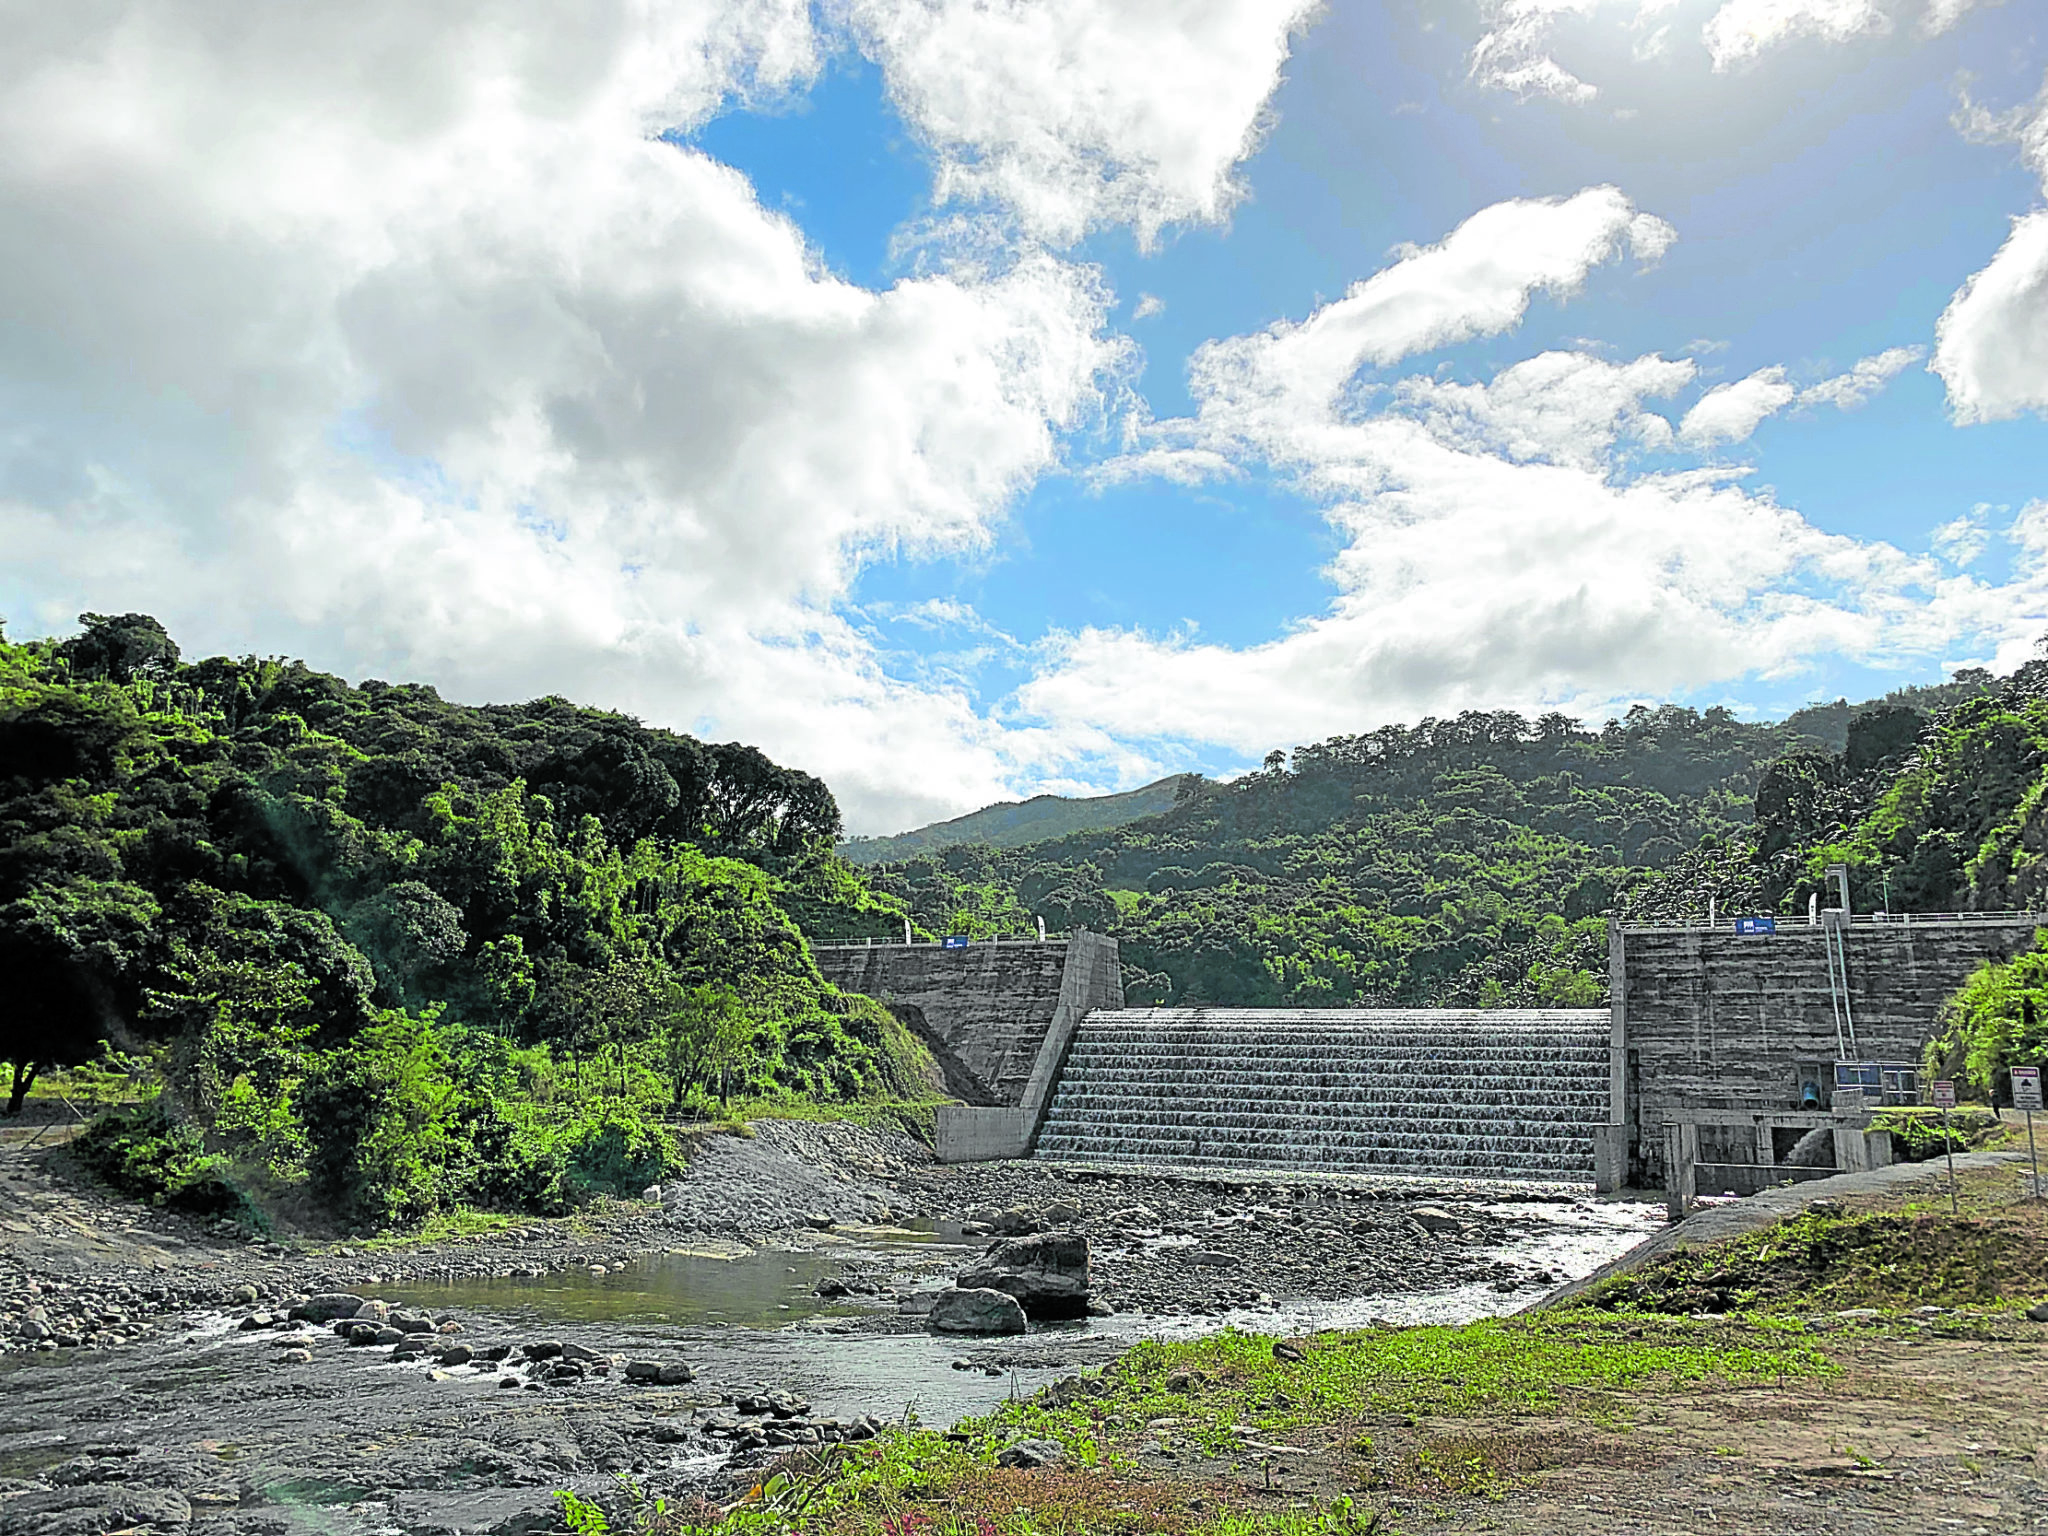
1478 282
1073 114
1513 53
1729 413
1991 343
387 335
1516 51
1558 407
1498 548
1962 540
1148 305
1864 381
1743 29
1943 14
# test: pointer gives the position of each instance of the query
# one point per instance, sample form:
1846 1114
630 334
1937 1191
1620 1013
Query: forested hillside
391 950
1016 823
1474 860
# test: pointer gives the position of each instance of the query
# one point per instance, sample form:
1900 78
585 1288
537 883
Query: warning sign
1944 1093
2026 1088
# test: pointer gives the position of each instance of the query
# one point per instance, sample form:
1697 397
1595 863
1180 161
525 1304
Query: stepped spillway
1477 1093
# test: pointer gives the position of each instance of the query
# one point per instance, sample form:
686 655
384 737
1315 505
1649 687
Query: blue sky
968 398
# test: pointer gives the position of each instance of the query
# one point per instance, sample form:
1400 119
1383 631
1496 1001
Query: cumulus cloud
1513 53
1991 343
1729 413
1072 114
390 335
1477 282
1499 546
1558 407
1742 29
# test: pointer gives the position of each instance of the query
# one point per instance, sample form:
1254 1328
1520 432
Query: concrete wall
1006 1012
1711 1019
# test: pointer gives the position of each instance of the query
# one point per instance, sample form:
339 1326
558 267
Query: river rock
457 1354
544 1349
581 1355
675 1373
294 1357
1215 1258
1435 1219
1048 1274
412 1322
326 1307
365 1333
1031 1453
1061 1214
1016 1222
374 1311
648 1371
917 1303
975 1309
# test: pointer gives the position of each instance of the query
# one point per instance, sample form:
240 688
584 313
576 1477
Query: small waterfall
1482 1093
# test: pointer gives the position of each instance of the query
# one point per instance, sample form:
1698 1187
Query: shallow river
756 1318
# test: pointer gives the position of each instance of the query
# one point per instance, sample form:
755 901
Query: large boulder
1048 1273
326 1307
975 1310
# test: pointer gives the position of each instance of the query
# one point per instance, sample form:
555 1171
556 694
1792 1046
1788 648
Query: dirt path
1919 1435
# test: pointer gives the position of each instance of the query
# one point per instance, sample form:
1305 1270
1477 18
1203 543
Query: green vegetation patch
1224 1398
1822 1261
144 1152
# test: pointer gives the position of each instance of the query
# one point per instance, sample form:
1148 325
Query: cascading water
1480 1093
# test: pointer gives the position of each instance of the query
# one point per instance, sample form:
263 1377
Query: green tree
706 1035
406 930
74 956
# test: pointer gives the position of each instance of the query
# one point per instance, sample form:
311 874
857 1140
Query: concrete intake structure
1711 1018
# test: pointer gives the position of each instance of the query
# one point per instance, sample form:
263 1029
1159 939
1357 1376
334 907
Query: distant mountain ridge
1017 823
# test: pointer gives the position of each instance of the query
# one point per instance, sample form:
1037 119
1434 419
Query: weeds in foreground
1226 1395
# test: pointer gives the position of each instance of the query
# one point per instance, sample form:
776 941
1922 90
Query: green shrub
379 1114
617 1150
1917 1133
147 1154
517 1160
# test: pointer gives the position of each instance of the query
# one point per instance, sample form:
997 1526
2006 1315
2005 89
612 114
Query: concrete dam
1723 1035
1061 1069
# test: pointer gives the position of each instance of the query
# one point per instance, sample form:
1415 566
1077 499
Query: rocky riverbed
165 1376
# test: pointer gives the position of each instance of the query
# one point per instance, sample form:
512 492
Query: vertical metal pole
2031 1157
1948 1147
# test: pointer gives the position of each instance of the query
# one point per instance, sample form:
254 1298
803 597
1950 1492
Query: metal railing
896 943
1831 917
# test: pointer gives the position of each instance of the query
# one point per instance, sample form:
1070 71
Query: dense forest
377 956
401 954
1475 860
